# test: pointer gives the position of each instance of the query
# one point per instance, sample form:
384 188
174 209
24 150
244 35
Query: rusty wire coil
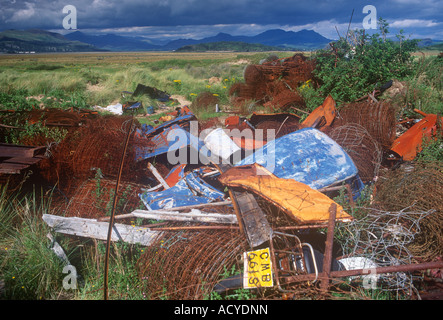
187 264
361 147
378 119
421 186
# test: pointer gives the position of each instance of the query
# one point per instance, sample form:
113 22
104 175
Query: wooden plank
202 205
158 176
193 216
254 222
12 150
91 228
12 168
22 160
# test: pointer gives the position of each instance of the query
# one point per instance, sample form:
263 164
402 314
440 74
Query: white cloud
409 23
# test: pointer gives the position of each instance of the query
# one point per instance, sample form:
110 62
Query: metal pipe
379 270
111 222
327 260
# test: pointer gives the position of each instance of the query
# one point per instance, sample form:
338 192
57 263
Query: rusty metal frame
275 264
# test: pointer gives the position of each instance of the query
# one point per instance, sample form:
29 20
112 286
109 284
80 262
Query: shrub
358 65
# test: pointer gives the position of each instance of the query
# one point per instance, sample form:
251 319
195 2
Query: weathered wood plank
254 222
91 228
12 150
23 160
193 216
201 205
12 168
158 176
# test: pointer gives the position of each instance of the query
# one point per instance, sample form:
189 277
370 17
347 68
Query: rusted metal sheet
189 190
322 116
302 203
409 144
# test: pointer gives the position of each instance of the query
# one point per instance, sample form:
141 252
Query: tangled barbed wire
383 237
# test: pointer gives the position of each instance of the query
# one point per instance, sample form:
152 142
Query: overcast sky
171 19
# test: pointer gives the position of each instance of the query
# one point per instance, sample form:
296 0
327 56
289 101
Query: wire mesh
378 119
364 150
384 238
188 264
419 185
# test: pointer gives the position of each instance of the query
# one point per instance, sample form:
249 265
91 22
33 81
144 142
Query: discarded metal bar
114 204
327 260
379 270
197 228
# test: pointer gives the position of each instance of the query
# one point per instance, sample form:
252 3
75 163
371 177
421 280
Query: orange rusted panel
322 116
302 203
409 144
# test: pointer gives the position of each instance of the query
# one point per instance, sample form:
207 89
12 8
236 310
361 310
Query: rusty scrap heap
274 83
235 207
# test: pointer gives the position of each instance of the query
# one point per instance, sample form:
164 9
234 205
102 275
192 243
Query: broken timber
254 222
193 216
91 228
15 158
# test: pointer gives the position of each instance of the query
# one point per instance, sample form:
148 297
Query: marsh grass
29 268
99 79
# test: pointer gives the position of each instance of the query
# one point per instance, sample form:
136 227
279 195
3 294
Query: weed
29 267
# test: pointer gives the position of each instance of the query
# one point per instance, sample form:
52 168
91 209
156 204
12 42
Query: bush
359 64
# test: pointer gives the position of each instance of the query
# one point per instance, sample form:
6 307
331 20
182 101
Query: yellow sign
257 269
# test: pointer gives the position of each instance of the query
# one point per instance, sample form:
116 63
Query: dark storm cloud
204 15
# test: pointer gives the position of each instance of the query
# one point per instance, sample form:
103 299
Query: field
75 82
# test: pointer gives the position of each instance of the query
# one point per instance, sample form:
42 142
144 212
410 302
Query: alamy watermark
70 20
70 281
370 21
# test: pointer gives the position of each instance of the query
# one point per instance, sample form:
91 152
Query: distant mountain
114 42
237 46
301 40
19 41
430 44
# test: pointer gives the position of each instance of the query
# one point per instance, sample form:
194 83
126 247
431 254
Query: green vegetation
29 269
362 63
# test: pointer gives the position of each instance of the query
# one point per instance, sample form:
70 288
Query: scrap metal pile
273 83
239 206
